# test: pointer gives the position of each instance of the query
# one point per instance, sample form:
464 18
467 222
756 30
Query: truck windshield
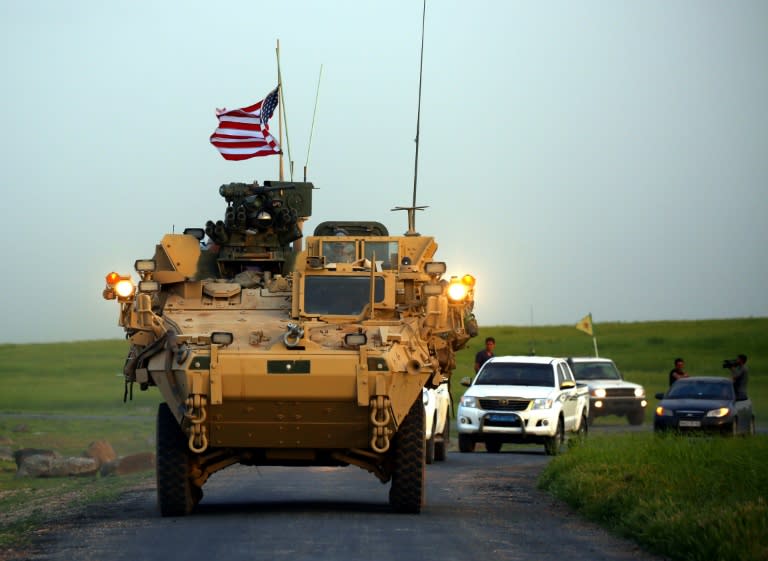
516 374
340 295
595 371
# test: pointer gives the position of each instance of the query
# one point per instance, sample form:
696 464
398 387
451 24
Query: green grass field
64 396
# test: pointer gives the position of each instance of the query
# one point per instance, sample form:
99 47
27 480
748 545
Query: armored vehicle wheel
554 444
176 495
636 417
407 491
466 444
441 445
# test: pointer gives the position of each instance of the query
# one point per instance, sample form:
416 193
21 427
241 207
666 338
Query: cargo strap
196 415
380 419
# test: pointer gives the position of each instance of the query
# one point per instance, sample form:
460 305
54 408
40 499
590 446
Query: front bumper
691 425
601 406
535 422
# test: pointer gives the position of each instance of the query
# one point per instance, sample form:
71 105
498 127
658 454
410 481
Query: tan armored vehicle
267 354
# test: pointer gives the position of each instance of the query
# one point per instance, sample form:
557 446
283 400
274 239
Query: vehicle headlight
720 412
469 401
124 288
542 403
661 412
599 392
639 392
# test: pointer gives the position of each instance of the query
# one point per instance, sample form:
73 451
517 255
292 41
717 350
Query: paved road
478 506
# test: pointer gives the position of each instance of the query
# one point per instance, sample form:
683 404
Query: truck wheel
581 434
466 444
441 445
407 491
636 417
553 445
176 495
429 453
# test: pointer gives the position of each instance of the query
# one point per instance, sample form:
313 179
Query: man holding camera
739 373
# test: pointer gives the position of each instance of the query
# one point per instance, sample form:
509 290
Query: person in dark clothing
678 371
486 353
740 373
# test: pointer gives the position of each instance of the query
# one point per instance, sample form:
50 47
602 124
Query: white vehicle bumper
536 422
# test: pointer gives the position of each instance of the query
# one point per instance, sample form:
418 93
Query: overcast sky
595 156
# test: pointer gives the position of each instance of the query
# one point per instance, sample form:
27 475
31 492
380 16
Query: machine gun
259 225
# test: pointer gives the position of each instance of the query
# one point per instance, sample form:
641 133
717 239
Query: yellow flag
585 324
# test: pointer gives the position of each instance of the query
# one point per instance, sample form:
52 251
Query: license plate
495 418
690 423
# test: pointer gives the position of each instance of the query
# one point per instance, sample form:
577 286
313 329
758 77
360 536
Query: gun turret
259 225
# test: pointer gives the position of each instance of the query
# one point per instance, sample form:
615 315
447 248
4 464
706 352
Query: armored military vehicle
267 353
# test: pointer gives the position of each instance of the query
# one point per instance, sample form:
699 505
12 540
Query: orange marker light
469 280
112 278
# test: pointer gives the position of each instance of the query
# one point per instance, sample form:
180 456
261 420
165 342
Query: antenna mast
413 208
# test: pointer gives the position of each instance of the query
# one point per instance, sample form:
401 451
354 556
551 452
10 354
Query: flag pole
280 110
594 340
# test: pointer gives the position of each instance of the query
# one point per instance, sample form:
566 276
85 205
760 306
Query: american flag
244 133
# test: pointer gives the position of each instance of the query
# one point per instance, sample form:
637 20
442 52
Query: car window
695 389
515 374
562 374
596 371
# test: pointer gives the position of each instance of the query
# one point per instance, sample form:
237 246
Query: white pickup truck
522 399
437 422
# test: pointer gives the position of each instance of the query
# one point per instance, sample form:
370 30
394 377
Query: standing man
739 374
486 353
678 371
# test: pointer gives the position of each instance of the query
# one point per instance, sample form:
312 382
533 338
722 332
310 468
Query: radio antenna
413 208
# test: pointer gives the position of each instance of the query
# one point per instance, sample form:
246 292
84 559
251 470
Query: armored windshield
340 295
385 254
515 374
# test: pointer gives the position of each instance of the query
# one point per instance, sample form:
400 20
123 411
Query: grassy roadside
688 499
63 397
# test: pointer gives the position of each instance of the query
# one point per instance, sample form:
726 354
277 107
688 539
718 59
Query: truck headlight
599 392
468 401
542 403
639 392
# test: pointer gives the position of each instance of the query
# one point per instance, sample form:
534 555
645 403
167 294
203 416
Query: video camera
730 363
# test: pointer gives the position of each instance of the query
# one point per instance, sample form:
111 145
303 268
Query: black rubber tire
636 417
429 446
553 445
176 495
581 434
441 444
493 446
406 493
466 444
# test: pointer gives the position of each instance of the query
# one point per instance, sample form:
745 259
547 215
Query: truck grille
620 392
504 404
